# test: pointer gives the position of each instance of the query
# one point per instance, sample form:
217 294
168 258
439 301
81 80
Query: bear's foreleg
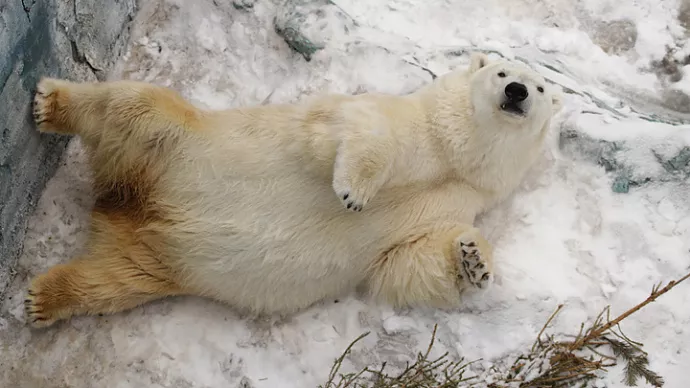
433 269
362 166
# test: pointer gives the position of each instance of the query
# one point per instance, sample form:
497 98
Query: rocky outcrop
76 39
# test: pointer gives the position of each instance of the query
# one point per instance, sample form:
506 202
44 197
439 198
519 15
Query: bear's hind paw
474 266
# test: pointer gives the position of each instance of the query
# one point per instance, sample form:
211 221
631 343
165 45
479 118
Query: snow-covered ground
565 236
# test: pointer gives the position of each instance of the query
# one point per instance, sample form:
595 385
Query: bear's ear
477 61
556 102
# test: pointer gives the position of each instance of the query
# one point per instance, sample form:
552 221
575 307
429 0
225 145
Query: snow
564 237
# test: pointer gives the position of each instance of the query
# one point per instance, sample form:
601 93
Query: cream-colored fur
273 208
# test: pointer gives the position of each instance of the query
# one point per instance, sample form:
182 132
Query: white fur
257 195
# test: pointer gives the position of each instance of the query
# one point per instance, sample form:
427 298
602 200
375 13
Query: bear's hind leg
94 285
433 269
116 108
119 272
130 128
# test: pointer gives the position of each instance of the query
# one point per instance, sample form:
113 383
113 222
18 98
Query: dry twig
550 363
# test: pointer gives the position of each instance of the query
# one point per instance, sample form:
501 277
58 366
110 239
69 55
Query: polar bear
272 208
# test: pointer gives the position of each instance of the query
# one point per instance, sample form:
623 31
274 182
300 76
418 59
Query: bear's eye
540 89
502 74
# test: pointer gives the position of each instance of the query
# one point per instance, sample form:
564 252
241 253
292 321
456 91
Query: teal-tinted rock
243 4
294 21
621 185
599 151
680 161
308 26
297 41
611 156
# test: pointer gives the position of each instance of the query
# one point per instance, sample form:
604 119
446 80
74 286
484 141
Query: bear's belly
270 244
266 234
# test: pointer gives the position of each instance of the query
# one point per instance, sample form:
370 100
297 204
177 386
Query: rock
684 15
245 383
243 4
621 185
679 163
296 40
75 39
670 67
308 25
598 151
676 100
612 157
615 36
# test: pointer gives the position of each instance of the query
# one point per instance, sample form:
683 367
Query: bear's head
510 93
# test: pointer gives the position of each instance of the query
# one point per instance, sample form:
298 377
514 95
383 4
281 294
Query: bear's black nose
516 91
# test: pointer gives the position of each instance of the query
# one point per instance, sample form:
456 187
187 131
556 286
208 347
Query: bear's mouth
512 107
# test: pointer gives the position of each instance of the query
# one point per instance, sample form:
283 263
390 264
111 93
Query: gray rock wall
75 39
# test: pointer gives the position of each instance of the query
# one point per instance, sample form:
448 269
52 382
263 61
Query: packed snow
601 219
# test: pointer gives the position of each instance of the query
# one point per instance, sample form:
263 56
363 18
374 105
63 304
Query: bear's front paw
350 201
474 256
354 198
